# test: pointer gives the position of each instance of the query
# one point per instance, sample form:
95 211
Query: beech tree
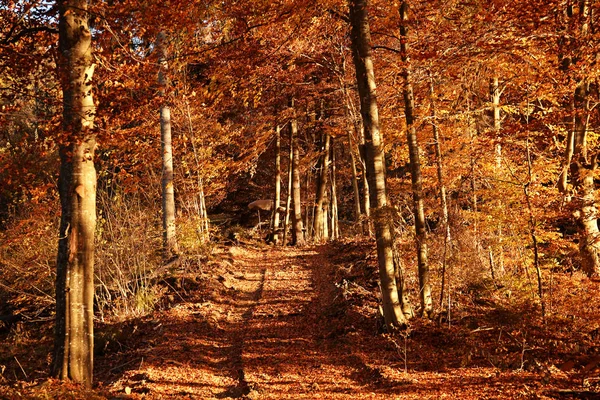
73 356
375 163
415 169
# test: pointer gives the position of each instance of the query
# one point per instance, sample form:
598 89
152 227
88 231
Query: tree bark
297 228
443 198
170 245
365 78
335 225
495 98
289 188
277 198
415 169
320 221
74 329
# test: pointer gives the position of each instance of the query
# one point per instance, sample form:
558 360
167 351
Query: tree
415 169
170 246
74 330
297 228
375 162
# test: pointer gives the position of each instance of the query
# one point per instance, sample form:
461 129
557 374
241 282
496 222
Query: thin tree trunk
277 184
415 170
289 189
335 225
297 228
357 209
170 245
320 221
443 198
73 356
355 126
368 224
365 78
495 98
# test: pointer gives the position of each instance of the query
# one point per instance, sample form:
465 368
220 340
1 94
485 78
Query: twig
20 366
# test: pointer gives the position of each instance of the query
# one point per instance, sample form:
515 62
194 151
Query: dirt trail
259 336
265 325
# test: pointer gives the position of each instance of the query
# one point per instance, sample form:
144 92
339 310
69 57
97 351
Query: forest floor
265 322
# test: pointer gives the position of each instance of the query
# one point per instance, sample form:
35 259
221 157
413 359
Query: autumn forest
269 199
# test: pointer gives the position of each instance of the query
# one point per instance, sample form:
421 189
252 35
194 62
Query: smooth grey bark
170 245
297 226
415 169
73 355
375 163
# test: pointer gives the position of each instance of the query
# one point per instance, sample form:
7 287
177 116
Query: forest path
258 329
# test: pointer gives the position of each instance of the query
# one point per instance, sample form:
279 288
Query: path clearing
260 328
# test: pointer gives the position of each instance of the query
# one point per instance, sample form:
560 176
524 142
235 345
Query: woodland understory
299 199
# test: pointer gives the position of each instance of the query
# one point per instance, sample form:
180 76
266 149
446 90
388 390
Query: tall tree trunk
365 78
495 99
335 225
297 228
289 189
443 198
170 245
580 165
588 217
320 221
354 127
277 199
74 329
415 169
357 208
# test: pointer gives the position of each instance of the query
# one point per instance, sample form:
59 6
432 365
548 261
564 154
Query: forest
299 199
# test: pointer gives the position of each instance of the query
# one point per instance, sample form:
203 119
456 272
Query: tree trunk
74 329
170 245
320 221
335 225
588 217
415 170
297 228
277 199
289 188
443 198
357 208
354 127
495 98
365 78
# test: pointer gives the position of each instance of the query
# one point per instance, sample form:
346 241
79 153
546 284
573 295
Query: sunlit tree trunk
289 189
297 228
365 78
415 170
74 329
335 225
576 157
320 220
495 99
170 245
277 198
